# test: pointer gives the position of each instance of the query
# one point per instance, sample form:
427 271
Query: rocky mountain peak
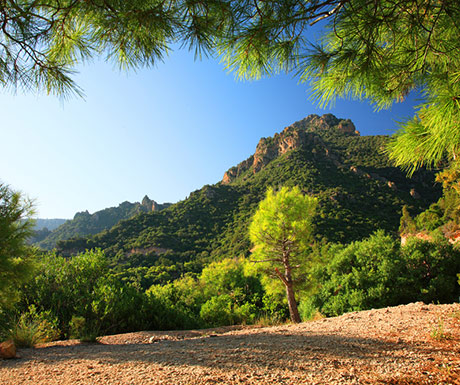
315 123
149 204
291 138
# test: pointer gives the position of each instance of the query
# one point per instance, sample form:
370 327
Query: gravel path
384 346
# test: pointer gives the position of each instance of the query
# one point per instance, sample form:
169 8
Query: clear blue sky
163 131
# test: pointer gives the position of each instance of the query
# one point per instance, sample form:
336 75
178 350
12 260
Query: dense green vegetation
16 257
379 272
85 223
82 297
281 232
212 224
190 265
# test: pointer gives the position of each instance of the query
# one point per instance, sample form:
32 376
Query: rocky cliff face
148 205
291 138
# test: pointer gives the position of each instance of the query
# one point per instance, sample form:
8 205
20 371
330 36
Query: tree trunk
293 311
287 280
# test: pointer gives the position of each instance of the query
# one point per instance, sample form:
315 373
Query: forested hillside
359 192
85 223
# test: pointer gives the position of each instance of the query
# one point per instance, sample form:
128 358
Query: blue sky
164 131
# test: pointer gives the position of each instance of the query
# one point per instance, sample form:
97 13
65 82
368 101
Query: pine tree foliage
15 228
377 50
41 41
281 231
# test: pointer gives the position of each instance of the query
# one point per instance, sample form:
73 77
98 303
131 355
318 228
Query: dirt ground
410 344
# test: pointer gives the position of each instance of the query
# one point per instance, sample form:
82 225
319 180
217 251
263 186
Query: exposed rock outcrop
7 350
291 138
149 204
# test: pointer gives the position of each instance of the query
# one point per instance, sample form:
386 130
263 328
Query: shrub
83 330
218 311
428 271
33 328
358 276
378 272
83 287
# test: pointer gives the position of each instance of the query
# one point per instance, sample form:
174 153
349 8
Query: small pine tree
281 231
407 223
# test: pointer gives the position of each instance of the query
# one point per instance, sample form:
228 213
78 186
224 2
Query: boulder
7 350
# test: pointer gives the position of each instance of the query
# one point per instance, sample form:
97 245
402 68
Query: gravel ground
385 346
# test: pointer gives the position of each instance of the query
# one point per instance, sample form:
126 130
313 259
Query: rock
230 175
392 185
347 127
7 350
414 194
149 204
293 137
356 170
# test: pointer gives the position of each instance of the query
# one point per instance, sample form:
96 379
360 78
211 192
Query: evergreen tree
407 223
376 50
15 228
42 41
281 232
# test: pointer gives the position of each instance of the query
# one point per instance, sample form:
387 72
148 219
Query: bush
177 304
428 271
33 328
358 276
378 272
82 330
218 311
83 287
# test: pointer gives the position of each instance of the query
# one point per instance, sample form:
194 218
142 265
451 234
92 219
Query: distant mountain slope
85 223
43 228
358 189
50 224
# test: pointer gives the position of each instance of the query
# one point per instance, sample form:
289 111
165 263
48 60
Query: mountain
85 223
50 224
358 189
43 227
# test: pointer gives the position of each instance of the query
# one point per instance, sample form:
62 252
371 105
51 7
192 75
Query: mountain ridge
358 190
291 138
84 223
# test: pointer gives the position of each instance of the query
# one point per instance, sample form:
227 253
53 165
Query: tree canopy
377 50
15 228
281 231
41 41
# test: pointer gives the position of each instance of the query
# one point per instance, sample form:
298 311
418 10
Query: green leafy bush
428 271
358 276
83 286
83 330
33 327
378 272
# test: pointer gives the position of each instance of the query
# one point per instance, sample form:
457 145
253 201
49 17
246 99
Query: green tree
376 50
406 223
43 40
281 231
377 272
15 254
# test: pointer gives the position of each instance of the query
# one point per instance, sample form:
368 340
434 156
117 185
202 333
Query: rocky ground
410 344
